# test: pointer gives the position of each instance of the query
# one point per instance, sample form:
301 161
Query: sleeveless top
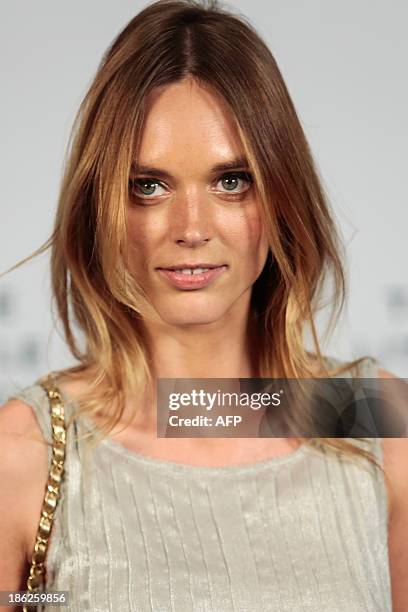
301 532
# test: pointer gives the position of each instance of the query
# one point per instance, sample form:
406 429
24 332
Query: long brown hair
166 42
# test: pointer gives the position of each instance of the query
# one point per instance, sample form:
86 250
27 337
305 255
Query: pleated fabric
301 532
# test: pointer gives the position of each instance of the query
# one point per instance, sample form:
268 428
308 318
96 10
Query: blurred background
345 65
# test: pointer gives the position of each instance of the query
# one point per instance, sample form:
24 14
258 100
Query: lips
190 266
190 271
198 277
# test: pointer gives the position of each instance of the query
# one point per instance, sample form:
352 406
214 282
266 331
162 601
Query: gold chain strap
36 576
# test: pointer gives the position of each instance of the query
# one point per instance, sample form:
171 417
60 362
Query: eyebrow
234 164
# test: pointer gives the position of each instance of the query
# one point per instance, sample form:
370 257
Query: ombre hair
94 292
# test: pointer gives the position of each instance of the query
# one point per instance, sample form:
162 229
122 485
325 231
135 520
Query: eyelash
244 176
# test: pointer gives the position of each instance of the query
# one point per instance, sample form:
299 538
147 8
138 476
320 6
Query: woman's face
184 211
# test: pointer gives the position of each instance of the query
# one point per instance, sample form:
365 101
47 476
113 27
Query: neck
223 350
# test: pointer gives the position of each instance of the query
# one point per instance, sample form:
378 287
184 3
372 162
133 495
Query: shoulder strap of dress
36 576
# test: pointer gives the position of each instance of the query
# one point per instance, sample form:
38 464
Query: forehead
188 126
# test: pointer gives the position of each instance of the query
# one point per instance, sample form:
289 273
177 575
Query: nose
191 221
192 239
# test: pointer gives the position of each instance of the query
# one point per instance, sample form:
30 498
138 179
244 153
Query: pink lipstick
187 276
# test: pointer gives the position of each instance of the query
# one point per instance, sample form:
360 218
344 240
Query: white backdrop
345 64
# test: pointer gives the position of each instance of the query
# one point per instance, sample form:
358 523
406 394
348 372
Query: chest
304 535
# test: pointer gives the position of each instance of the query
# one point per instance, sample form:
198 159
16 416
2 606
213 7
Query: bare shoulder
20 434
395 453
22 442
23 474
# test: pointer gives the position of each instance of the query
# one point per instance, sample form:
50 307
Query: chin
192 314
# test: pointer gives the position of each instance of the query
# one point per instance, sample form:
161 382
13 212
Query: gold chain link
36 576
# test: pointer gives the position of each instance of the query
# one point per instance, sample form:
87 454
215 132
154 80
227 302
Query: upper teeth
193 270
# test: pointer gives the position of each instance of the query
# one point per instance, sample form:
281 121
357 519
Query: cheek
146 228
141 240
251 236
138 228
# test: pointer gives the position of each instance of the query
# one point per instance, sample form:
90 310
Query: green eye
230 181
143 187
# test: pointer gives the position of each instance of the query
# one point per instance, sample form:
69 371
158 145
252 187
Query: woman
188 154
